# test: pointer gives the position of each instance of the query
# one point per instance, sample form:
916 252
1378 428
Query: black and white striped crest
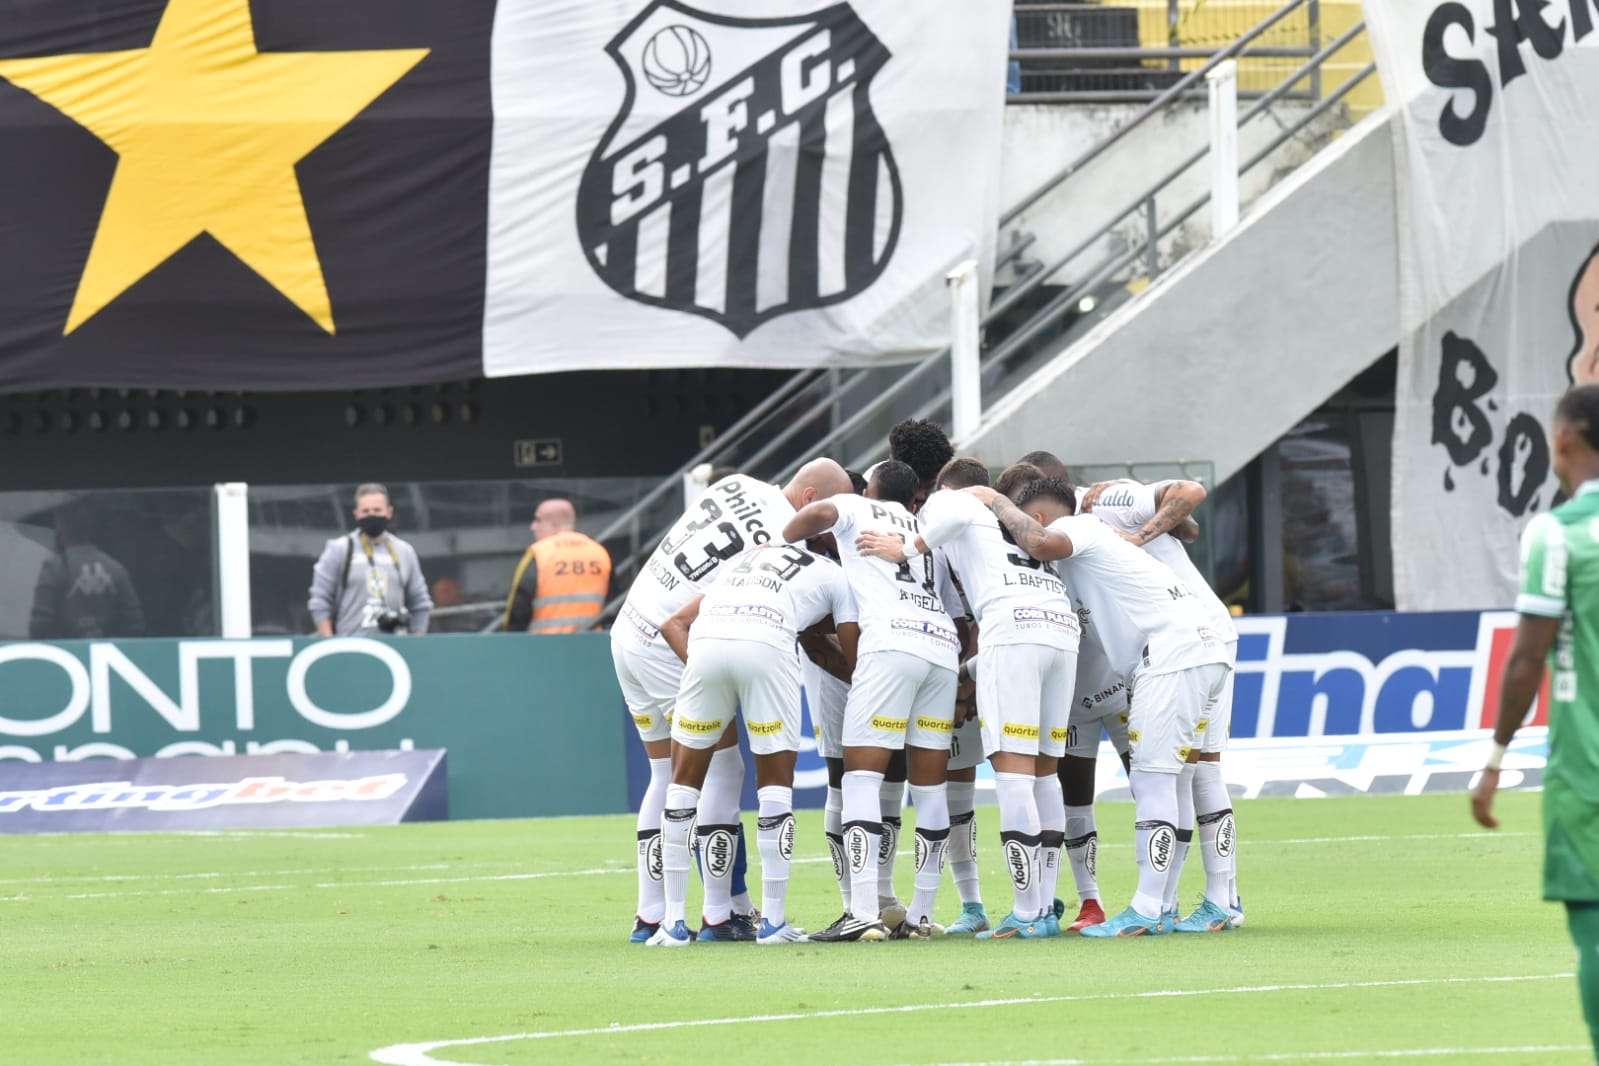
746 175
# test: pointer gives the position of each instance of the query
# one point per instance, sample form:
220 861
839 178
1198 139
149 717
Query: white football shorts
1024 698
1099 709
1217 725
748 677
898 699
649 673
1165 712
825 696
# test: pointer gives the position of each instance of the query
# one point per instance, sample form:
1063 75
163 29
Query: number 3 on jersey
904 571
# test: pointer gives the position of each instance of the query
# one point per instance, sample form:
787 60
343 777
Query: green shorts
1571 846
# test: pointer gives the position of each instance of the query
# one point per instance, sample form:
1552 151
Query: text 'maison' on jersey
1146 617
772 593
729 518
1017 599
905 607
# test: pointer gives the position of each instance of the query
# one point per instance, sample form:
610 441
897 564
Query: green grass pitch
1379 929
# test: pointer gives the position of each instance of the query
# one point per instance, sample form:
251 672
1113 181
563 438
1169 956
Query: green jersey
1560 579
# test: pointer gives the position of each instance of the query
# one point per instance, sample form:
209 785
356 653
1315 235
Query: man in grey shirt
368 572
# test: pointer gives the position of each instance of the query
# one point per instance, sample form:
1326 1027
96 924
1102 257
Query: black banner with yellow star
242 195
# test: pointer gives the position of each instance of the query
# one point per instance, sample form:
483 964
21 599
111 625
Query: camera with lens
394 620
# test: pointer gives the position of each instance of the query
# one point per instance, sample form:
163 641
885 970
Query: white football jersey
1148 620
902 608
1128 506
1097 680
729 518
1017 599
771 593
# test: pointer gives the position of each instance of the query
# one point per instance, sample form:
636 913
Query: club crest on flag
745 175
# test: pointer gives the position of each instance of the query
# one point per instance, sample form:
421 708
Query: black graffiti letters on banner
1537 23
1460 409
1464 379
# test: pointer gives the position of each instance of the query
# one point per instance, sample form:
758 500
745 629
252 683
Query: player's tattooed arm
675 629
816 517
1041 542
1174 506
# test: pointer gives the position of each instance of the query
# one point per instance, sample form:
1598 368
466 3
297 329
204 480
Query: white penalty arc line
420 1054
1284 1056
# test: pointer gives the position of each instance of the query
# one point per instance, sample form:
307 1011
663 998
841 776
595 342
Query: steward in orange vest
561 584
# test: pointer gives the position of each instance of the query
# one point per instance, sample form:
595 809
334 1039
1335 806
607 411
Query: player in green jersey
1558 604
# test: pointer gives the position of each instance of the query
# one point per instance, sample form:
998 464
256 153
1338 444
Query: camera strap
371 560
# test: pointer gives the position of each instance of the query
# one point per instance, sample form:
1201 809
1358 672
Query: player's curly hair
921 445
895 481
857 481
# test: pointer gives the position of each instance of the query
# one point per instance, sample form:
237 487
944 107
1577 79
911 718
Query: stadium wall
532 726
1325 703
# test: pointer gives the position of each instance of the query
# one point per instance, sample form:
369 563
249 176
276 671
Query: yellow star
207 133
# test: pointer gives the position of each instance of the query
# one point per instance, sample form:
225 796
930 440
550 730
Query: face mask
372 525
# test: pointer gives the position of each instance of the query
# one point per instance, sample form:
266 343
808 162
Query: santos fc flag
292 194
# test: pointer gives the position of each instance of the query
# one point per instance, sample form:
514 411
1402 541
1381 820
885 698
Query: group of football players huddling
930 620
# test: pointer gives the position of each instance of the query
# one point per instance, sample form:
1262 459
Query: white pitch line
64 879
419 1054
1285 1056
25 898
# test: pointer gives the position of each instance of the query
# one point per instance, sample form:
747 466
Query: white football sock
774 836
963 839
1019 835
717 832
681 802
833 824
1082 851
1154 837
892 799
724 785
863 836
651 898
1052 835
932 836
1185 837
1217 835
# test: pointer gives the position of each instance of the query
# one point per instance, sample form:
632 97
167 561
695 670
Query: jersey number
785 562
904 572
715 554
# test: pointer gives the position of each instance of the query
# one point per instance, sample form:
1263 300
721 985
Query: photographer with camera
368 580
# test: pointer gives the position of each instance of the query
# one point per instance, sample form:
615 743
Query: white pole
233 559
966 382
694 483
1223 85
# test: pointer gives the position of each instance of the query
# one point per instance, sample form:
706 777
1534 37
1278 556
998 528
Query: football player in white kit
730 517
1175 663
1146 515
1029 636
902 695
738 640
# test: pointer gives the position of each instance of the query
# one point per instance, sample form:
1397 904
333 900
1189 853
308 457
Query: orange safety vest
574 574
